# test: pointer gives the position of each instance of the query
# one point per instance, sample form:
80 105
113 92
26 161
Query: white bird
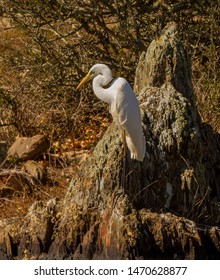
124 106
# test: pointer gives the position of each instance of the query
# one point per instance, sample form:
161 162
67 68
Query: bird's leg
123 136
122 191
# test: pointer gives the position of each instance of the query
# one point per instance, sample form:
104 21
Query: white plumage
124 106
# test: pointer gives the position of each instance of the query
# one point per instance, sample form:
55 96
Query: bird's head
96 70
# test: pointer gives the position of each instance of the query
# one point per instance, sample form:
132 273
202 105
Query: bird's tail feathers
136 149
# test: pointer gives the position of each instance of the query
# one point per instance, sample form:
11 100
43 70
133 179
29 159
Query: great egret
124 106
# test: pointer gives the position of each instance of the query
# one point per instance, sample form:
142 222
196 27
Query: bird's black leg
122 189
123 135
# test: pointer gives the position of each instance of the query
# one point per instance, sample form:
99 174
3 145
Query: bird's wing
126 112
126 105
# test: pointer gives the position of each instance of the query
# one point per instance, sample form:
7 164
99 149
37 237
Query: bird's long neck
99 82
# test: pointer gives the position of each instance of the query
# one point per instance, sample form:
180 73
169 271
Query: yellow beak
84 80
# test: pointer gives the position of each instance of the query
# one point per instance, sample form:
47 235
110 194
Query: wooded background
48 45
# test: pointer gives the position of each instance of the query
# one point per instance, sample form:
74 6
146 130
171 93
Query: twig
144 189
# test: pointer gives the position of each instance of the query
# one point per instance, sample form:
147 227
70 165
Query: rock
15 181
30 177
5 23
35 169
25 148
